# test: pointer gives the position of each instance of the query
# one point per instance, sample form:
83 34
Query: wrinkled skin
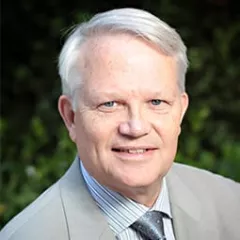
129 111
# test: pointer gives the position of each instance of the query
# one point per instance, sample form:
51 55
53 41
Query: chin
139 181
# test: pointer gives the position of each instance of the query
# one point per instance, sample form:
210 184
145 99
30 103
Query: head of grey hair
136 22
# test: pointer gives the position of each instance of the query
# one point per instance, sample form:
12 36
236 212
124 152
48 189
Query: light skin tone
129 111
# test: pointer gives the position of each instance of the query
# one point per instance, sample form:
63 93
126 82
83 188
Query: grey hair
137 22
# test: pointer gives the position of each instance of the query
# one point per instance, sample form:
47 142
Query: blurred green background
35 148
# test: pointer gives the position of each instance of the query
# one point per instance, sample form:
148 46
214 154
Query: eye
156 102
109 104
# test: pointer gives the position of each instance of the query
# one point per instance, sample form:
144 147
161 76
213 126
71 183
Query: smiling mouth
131 151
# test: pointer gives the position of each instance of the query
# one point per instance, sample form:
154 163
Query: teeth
135 151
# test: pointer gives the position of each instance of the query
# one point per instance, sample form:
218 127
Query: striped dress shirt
122 212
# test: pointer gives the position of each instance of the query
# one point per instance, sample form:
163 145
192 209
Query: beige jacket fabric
204 206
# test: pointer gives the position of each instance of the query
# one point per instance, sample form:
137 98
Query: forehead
106 44
122 60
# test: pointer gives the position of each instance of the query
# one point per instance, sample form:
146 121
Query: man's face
129 111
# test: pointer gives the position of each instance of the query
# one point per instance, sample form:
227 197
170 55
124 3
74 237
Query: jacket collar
188 218
80 209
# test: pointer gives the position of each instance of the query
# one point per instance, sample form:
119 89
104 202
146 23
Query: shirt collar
120 211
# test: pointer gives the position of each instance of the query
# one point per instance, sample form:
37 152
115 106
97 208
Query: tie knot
150 225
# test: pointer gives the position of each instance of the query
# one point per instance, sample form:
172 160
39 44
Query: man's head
124 97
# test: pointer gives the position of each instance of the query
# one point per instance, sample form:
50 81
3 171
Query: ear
68 115
184 103
184 106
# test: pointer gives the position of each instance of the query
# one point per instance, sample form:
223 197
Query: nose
134 127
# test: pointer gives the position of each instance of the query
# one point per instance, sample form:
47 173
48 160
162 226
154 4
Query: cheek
93 130
168 127
174 124
169 141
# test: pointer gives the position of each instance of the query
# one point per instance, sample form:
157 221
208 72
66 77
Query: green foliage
33 167
35 147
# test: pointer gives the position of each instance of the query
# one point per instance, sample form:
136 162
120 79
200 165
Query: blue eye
109 104
156 101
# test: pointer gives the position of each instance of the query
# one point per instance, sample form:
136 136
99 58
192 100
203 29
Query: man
123 101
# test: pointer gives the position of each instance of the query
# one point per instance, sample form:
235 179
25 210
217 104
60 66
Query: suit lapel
185 227
187 211
83 217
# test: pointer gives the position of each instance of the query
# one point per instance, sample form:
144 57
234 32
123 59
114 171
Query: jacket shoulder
201 177
42 219
222 193
210 199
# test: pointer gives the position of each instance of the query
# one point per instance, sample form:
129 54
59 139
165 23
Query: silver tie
150 226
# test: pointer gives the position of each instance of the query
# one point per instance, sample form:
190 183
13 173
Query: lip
135 153
124 147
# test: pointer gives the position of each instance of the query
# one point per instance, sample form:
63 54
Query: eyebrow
109 94
96 93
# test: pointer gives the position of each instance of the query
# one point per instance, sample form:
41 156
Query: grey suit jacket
204 206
